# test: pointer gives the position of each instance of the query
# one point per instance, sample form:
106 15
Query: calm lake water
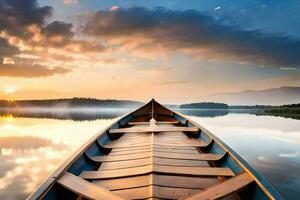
33 144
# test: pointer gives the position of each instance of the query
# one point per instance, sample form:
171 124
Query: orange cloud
30 70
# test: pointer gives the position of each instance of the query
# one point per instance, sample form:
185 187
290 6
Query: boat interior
155 153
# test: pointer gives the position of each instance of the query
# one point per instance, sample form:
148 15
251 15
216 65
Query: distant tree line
297 105
291 110
71 102
250 107
204 105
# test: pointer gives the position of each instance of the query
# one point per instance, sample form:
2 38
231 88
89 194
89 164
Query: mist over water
67 113
35 141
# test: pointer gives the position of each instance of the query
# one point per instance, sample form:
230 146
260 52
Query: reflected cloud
289 155
35 148
282 173
25 162
203 112
23 142
269 144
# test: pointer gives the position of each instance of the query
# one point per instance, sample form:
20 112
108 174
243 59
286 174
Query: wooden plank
193 171
159 122
85 188
138 123
154 130
130 152
131 144
135 193
153 191
148 161
198 156
199 143
125 164
128 142
124 183
141 137
130 148
158 180
225 188
118 173
183 163
160 169
192 142
144 144
168 122
184 182
134 156
177 150
154 146
172 193
110 158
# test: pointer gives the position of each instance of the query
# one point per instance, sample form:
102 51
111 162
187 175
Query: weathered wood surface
198 143
134 156
147 123
86 189
154 130
158 169
224 188
158 180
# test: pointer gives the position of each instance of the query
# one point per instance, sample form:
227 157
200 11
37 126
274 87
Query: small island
204 105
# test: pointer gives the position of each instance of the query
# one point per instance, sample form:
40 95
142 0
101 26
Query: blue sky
269 15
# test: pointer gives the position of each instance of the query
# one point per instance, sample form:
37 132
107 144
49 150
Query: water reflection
75 114
270 144
31 149
204 112
80 114
32 146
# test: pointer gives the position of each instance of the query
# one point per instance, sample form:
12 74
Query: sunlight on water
33 145
31 149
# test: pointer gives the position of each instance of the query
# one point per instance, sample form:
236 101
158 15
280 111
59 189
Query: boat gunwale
262 183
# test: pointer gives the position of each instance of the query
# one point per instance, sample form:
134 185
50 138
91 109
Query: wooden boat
155 153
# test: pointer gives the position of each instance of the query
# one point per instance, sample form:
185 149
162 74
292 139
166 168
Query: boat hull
155 153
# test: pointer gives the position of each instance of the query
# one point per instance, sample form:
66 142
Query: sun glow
8 118
10 89
7 121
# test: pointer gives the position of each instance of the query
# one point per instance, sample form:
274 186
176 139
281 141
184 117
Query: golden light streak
9 89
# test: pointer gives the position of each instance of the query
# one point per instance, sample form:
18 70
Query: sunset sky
175 51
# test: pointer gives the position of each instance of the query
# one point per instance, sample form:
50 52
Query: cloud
25 30
175 82
6 49
16 15
59 33
31 70
114 8
69 2
86 46
191 32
